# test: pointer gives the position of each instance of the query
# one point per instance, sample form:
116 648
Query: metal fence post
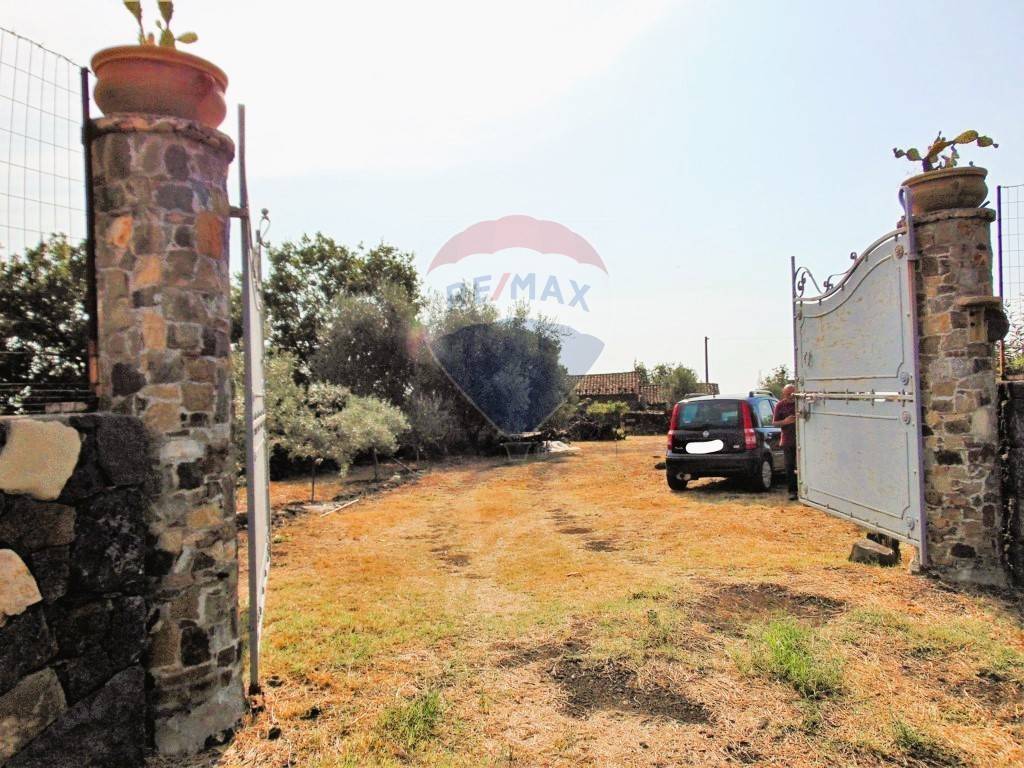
92 350
999 267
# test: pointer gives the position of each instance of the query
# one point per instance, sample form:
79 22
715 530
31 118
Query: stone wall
646 422
118 596
161 232
1011 431
953 280
74 497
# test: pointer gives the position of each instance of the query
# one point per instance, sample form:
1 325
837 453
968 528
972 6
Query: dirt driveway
575 612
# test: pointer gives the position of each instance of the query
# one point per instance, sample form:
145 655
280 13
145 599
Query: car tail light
673 423
749 435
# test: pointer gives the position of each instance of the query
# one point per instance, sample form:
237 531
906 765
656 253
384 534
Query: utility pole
707 378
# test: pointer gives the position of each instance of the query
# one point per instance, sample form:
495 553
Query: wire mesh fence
44 260
1010 201
1010 261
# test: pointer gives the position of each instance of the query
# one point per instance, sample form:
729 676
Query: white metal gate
257 477
859 431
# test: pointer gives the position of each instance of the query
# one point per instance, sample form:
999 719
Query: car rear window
709 413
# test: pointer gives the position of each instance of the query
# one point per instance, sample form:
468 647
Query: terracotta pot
159 81
959 187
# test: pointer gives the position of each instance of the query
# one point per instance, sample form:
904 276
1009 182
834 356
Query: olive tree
432 422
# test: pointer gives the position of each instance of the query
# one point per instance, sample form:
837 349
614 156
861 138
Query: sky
696 146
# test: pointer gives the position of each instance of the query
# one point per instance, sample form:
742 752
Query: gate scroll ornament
856 366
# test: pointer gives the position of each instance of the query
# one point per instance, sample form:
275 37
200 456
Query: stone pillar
959 394
161 231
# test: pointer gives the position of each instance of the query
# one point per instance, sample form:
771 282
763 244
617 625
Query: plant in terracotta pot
155 78
944 183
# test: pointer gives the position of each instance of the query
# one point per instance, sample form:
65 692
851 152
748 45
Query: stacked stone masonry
73 587
958 395
161 230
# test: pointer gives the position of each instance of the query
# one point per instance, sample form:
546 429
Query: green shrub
610 413
600 421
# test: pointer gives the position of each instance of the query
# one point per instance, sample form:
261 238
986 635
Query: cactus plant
933 159
167 38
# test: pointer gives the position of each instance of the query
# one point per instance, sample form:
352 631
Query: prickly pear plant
933 159
167 38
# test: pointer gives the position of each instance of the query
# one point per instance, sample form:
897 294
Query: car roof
737 396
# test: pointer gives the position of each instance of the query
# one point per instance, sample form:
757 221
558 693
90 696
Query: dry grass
328 485
575 612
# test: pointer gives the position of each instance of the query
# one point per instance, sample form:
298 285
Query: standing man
785 417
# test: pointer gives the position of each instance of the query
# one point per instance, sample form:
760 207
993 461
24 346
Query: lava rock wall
73 590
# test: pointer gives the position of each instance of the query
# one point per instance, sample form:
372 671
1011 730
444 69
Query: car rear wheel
763 478
675 482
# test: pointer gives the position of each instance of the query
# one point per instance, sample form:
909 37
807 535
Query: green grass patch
811 719
301 641
657 632
957 714
874 618
922 746
654 595
329 638
1003 663
412 723
640 628
793 653
933 640
552 613
937 639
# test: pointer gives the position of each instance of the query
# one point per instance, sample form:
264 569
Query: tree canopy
776 379
431 422
508 368
681 380
322 421
307 277
367 344
43 326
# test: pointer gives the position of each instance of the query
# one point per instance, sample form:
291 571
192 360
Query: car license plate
711 446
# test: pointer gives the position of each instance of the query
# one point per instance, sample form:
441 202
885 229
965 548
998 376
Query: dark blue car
724 436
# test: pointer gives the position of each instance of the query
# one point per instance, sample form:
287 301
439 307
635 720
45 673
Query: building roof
590 384
627 384
652 394
707 389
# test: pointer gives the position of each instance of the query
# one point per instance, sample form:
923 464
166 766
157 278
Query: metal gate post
792 299
999 271
906 198
257 475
